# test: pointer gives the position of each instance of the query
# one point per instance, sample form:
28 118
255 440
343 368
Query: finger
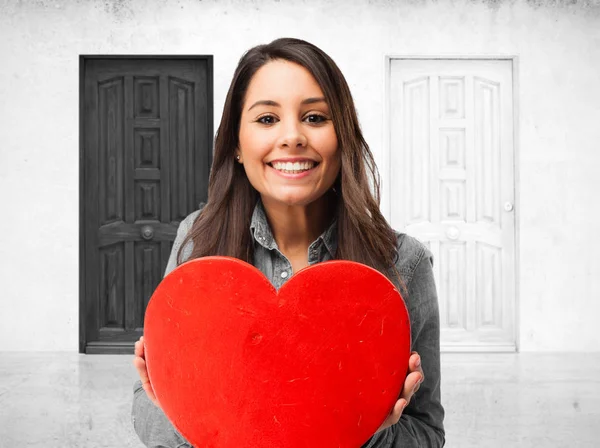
413 357
411 385
415 366
419 368
394 415
399 408
414 363
142 371
140 365
396 412
417 387
412 381
139 347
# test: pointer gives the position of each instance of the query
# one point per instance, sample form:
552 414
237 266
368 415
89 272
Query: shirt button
284 274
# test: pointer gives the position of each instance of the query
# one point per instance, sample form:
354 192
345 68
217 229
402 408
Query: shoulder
182 231
186 224
414 263
410 254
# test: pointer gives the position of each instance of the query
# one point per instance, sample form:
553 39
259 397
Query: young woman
290 186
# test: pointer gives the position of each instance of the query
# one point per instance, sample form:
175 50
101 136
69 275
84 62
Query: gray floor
492 400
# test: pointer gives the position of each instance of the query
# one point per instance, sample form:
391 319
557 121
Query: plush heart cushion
235 363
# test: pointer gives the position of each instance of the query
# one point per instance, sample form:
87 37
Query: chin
295 201
294 197
292 200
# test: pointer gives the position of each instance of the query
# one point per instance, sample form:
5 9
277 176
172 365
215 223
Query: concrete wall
558 154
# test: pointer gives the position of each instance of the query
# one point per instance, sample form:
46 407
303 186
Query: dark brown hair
222 228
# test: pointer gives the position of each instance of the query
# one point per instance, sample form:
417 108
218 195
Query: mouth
293 167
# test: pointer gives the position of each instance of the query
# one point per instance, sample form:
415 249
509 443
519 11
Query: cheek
331 151
254 145
245 141
326 143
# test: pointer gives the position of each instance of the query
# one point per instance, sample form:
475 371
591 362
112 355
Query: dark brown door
146 149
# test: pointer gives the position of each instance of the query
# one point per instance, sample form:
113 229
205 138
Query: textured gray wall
558 130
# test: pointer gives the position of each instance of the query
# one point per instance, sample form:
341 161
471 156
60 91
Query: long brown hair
222 228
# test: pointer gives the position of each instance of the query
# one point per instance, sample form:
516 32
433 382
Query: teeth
295 166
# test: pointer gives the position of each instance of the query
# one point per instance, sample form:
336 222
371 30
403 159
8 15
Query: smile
293 167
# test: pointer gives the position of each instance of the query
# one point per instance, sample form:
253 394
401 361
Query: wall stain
120 9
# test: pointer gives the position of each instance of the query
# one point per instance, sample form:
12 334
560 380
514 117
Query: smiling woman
287 143
293 183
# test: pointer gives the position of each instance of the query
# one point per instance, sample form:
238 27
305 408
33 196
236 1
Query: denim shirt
421 424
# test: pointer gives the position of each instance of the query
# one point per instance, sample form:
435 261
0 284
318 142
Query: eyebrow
275 104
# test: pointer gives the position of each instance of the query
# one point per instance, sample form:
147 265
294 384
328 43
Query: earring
237 157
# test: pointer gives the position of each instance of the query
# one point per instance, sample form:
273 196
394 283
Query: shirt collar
262 234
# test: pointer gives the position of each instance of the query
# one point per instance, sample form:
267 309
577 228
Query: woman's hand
411 385
140 364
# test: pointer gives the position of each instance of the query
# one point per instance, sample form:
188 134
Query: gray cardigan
421 424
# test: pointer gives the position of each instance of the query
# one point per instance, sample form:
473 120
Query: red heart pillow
235 363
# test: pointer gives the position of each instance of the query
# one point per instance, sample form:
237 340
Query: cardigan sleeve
150 423
184 227
421 424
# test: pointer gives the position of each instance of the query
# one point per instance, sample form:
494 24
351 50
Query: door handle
147 232
452 233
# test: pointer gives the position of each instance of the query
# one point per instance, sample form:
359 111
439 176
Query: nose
292 136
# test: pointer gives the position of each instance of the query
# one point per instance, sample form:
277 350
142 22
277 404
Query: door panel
146 155
452 147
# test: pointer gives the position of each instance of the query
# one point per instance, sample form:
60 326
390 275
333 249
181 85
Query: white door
452 184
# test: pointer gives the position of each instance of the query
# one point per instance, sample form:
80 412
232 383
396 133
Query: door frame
82 166
386 202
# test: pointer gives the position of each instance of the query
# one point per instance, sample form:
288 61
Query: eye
267 119
316 118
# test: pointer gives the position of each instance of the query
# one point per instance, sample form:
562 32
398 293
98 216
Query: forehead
281 80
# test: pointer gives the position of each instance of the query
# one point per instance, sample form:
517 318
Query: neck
295 227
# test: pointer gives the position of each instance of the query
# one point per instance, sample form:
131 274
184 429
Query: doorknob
147 232
508 206
452 233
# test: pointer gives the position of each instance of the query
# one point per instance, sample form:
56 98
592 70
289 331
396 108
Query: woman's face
287 141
